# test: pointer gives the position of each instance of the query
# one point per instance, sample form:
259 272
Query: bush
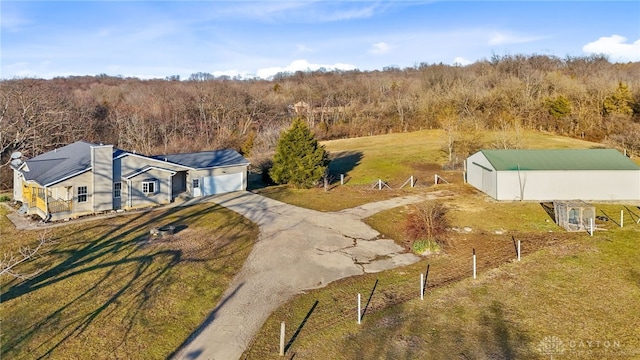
427 221
4 198
421 246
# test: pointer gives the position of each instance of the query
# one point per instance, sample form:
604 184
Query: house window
82 194
149 186
117 189
196 183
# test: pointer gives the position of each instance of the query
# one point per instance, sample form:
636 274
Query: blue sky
155 39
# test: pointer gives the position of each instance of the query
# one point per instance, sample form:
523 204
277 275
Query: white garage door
220 184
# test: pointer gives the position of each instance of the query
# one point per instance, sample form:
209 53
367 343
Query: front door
196 188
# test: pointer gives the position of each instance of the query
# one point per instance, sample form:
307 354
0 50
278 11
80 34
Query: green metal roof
559 159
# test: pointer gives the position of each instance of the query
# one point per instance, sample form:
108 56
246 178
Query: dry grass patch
107 290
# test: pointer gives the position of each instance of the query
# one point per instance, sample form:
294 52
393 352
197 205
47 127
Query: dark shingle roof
206 159
58 164
559 159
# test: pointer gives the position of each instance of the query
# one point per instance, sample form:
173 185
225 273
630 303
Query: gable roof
559 159
206 159
60 163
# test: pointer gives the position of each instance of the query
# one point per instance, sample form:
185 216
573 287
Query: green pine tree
620 102
299 159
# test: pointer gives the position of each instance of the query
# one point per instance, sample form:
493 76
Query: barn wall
569 185
479 177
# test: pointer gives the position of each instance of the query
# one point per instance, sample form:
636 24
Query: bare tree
11 260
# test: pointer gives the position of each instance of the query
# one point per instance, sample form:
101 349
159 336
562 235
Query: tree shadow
210 318
500 335
343 162
116 258
297 332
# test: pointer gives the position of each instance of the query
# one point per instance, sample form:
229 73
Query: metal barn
558 174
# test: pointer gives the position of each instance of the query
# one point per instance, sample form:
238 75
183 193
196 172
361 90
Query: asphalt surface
297 249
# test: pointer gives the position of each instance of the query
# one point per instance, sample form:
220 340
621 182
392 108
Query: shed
554 174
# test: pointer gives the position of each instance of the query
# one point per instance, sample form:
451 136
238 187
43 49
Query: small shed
554 174
574 215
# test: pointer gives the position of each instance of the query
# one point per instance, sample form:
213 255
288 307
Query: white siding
481 174
599 185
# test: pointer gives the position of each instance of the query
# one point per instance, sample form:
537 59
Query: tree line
587 97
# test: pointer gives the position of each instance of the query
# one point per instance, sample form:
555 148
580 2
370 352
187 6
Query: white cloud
499 38
301 65
303 48
380 48
616 47
459 60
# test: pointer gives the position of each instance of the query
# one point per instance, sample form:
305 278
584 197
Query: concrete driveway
297 249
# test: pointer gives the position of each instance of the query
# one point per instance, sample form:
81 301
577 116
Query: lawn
393 158
581 289
108 290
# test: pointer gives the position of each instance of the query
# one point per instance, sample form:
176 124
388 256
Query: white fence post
474 263
341 179
621 218
591 226
411 180
518 250
359 313
435 179
421 286
282 338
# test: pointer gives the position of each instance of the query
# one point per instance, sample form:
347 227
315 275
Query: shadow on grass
297 332
548 208
500 336
210 318
114 257
343 162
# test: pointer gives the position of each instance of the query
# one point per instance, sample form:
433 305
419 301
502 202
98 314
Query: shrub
427 221
422 246
4 198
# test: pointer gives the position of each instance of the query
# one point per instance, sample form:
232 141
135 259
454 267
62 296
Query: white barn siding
481 174
603 185
546 185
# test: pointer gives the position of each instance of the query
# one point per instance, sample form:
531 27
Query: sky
157 39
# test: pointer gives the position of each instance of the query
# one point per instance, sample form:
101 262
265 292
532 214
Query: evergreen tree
299 159
620 102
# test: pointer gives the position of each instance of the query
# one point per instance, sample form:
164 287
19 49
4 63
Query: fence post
411 180
591 226
282 338
621 218
435 179
518 250
474 263
421 286
359 313
379 184
341 179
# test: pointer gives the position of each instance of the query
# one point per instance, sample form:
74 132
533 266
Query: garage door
220 184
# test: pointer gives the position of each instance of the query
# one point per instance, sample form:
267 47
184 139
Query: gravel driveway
297 249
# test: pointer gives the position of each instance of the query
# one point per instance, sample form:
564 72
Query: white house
84 178
558 174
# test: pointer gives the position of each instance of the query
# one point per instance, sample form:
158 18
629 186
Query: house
560 174
84 178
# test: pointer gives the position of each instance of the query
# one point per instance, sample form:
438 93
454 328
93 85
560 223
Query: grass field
393 158
583 290
107 290
578 288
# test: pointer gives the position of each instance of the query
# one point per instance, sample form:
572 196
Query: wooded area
587 97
